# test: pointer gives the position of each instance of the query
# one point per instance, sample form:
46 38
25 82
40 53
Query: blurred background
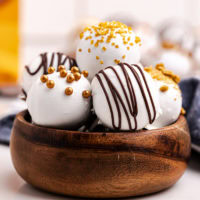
29 27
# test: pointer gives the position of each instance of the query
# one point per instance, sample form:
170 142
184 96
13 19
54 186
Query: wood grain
99 165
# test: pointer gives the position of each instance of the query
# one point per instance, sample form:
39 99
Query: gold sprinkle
128 48
104 48
74 69
89 50
108 40
106 31
77 76
44 78
70 78
129 28
117 46
81 35
97 57
117 61
101 61
79 50
131 43
51 70
61 67
183 112
85 73
101 41
50 84
88 37
160 73
86 29
68 91
124 56
164 88
86 93
176 79
96 44
168 45
63 73
160 66
137 39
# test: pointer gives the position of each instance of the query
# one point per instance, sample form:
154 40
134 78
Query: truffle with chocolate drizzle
124 97
40 66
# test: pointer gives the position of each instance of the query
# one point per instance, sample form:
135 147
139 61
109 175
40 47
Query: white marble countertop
12 187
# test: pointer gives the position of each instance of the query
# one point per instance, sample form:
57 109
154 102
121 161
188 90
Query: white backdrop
44 24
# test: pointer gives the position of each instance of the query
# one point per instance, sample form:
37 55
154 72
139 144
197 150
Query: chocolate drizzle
130 96
25 94
44 62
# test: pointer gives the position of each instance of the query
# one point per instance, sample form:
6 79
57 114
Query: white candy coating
101 106
53 108
170 104
28 80
87 60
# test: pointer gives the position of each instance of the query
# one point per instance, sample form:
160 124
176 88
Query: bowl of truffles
101 125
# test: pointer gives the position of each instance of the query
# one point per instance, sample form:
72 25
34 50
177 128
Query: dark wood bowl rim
139 141
21 117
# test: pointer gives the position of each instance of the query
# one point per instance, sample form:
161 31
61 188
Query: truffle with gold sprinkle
107 43
61 98
166 82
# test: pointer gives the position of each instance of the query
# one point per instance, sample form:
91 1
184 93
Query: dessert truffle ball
60 99
177 33
39 66
107 43
169 95
125 97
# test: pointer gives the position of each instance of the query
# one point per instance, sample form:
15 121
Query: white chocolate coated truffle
107 43
170 100
40 65
177 32
52 107
125 97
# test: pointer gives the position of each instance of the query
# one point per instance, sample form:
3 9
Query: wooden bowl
99 164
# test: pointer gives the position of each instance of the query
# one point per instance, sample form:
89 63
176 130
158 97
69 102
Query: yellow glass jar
9 42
